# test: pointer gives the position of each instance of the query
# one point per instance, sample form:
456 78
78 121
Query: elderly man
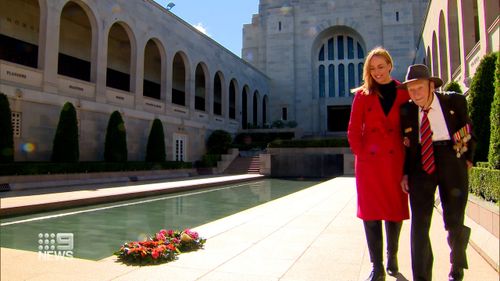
439 144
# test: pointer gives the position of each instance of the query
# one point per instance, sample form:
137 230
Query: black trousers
451 178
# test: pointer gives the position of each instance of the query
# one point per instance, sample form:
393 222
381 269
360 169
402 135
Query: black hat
417 72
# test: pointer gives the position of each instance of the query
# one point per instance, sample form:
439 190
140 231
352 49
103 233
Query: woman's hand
404 184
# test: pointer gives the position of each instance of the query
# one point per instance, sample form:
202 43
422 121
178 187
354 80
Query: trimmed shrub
310 143
218 142
249 141
6 132
155 151
115 146
479 103
494 151
453 86
65 147
291 124
279 124
209 160
485 182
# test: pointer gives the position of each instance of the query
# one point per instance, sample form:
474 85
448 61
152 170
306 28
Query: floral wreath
162 247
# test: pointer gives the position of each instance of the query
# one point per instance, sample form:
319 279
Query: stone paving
312 235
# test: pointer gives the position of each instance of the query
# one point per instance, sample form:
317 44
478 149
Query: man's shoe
392 265
456 274
377 274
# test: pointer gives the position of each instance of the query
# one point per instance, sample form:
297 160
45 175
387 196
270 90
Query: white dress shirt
436 120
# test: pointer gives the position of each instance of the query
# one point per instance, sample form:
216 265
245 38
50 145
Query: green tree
218 142
155 151
6 133
453 86
494 152
65 147
115 146
479 104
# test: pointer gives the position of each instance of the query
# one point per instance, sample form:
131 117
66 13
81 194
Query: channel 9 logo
55 245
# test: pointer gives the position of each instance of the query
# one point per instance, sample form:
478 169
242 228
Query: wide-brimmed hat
420 72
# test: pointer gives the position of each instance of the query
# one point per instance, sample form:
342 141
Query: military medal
460 139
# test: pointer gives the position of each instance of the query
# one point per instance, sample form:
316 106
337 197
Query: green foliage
115 146
494 151
453 86
479 104
291 124
278 124
65 147
41 168
6 133
218 142
311 143
209 160
249 141
485 182
155 151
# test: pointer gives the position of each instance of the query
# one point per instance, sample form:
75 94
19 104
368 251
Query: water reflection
100 230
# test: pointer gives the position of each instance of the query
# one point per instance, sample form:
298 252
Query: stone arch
122 48
255 108
435 67
153 66
233 90
265 108
180 78
244 106
77 41
217 93
453 36
21 43
201 87
337 53
443 51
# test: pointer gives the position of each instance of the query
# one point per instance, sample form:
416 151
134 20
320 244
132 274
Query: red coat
377 144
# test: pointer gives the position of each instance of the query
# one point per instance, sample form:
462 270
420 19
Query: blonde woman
376 141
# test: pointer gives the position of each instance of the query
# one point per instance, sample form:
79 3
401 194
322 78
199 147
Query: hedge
6 132
155 149
311 143
219 142
485 183
65 147
479 100
41 168
494 151
115 144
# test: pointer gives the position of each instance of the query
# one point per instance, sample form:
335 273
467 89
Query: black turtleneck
387 96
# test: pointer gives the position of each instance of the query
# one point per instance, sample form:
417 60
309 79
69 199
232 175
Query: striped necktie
426 141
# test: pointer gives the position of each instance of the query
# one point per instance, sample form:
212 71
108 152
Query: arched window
343 53
350 76
331 80
321 80
341 80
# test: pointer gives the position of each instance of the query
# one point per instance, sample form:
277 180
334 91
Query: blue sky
222 20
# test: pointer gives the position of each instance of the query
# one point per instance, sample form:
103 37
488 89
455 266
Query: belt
442 143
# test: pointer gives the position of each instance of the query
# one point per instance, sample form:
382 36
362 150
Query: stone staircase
244 165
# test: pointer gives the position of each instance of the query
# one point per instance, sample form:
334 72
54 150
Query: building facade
132 56
313 52
456 35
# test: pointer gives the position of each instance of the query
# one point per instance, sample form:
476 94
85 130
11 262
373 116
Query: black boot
392 229
373 231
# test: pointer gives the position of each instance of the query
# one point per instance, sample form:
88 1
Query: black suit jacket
454 107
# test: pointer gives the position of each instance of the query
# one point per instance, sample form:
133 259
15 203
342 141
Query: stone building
456 35
313 53
132 56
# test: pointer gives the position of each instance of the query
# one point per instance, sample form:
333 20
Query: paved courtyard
312 235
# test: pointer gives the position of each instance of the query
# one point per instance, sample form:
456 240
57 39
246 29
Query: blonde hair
369 85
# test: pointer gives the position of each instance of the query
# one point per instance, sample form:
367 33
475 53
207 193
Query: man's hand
469 164
404 184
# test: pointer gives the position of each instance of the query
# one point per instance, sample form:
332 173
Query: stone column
49 45
101 63
137 73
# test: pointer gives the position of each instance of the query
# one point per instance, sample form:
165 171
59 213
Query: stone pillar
483 27
465 33
137 73
101 63
49 45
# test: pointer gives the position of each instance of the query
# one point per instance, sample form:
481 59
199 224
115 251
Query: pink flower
155 254
160 236
170 233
